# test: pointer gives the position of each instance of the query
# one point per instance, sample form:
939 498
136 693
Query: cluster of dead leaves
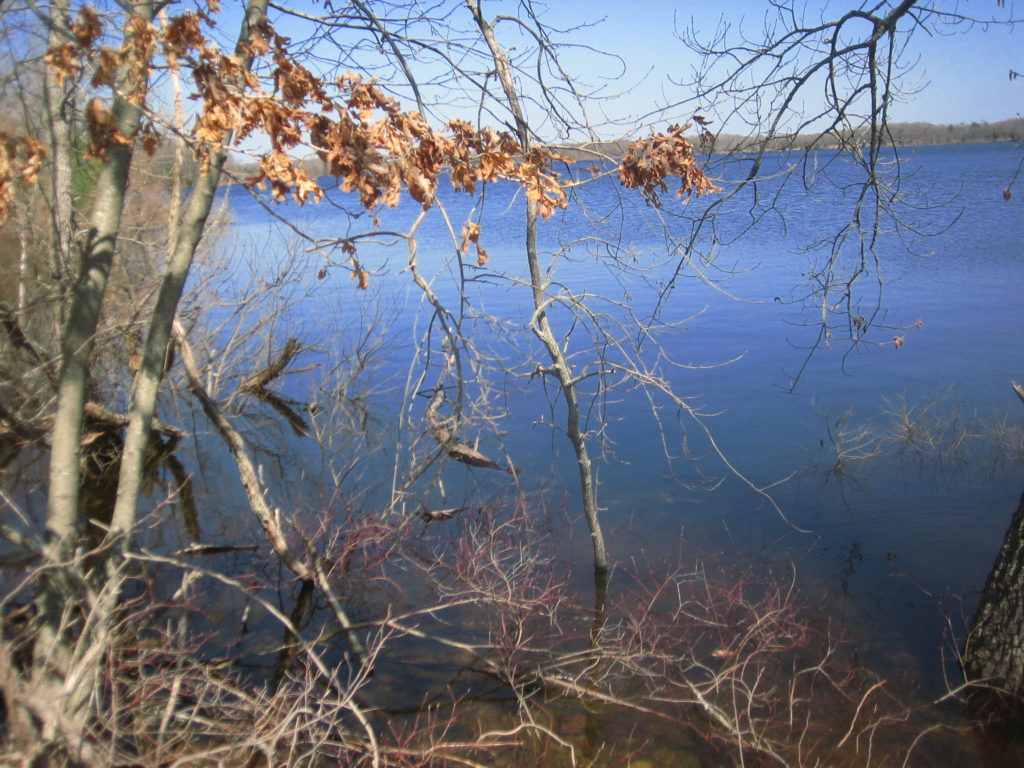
21 157
130 65
66 59
378 150
367 141
471 234
648 163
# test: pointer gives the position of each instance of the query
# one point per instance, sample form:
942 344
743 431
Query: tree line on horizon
900 134
907 134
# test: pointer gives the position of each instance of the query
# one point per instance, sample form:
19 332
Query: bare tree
376 157
780 87
85 656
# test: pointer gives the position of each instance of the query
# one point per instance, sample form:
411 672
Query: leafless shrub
933 431
729 659
852 443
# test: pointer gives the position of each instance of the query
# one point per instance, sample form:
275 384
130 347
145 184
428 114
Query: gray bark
62 523
147 382
62 679
994 652
58 108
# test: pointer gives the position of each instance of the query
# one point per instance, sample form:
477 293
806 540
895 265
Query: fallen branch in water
257 383
436 515
270 520
446 438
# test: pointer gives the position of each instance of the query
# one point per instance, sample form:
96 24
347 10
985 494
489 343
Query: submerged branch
256 384
269 520
446 438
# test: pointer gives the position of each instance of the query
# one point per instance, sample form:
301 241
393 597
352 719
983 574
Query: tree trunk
539 323
147 382
994 652
62 522
58 676
62 214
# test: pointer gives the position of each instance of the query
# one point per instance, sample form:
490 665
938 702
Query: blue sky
963 73
959 77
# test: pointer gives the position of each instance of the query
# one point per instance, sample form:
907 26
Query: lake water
897 538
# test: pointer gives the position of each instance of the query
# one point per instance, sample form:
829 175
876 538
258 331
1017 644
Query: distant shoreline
900 134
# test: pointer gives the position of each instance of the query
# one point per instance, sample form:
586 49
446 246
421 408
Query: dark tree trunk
994 652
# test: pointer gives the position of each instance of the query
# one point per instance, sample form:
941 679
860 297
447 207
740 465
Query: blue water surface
898 538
